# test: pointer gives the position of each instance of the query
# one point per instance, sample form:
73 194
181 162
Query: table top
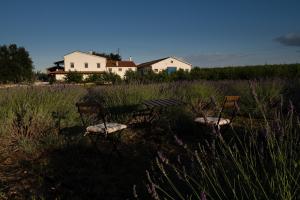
162 102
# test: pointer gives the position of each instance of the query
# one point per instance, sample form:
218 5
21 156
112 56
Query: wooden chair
94 119
229 106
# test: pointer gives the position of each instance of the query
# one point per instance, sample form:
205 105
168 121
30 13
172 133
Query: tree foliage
285 71
74 77
105 77
110 56
247 72
41 76
15 64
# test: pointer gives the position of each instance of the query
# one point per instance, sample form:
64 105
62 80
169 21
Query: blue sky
205 33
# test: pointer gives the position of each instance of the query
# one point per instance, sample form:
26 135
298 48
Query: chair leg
115 142
94 141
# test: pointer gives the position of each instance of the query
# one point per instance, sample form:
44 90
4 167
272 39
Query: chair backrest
91 113
230 105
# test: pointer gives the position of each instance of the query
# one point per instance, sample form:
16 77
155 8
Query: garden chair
229 106
94 119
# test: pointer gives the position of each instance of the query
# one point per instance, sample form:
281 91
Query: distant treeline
247 72
284 71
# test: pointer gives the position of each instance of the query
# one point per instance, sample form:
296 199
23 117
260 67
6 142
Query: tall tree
15 64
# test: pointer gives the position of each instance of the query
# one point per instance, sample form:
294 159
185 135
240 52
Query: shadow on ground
77 170
80 171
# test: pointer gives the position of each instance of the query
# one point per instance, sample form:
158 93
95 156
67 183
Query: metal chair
94 119
229 106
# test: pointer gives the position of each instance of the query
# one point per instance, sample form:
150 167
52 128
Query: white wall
79 59
60 77
120 73
170 62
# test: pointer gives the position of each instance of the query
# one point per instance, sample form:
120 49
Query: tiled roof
80 72
54 68
114 63
150 62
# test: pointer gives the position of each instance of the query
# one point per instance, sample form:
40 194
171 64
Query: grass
64 165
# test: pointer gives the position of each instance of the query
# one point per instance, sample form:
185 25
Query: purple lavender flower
162 157
203 196
178 141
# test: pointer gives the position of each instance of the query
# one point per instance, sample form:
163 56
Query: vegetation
263 163
74 77
40 76
104 78
44 155
284 71
15 64
247 72
110 56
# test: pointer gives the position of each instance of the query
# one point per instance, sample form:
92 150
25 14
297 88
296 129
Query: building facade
87 64
168 64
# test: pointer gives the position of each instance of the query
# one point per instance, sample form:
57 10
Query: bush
111 77
74 77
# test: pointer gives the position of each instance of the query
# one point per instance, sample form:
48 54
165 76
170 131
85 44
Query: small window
72 65
98 65
156 70
171 61
120 69
86 65
110 69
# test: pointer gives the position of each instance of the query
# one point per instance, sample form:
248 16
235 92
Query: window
72 65
98 65
120 69
156 70
110 69
86 65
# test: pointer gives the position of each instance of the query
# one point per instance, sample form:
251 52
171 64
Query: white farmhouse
120 67
169 64
87 64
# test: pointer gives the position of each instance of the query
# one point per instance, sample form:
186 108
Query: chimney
91 52
117 63
130 58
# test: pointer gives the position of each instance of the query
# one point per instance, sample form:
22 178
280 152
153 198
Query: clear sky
205 33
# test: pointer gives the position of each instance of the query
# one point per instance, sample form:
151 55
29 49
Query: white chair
94 119
230 106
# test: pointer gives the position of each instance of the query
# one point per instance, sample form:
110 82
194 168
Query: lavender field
44 154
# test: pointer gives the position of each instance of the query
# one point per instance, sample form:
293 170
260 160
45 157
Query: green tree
40 76
179 75
95 78
73 77
133 76
110 56
111 77
15 64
